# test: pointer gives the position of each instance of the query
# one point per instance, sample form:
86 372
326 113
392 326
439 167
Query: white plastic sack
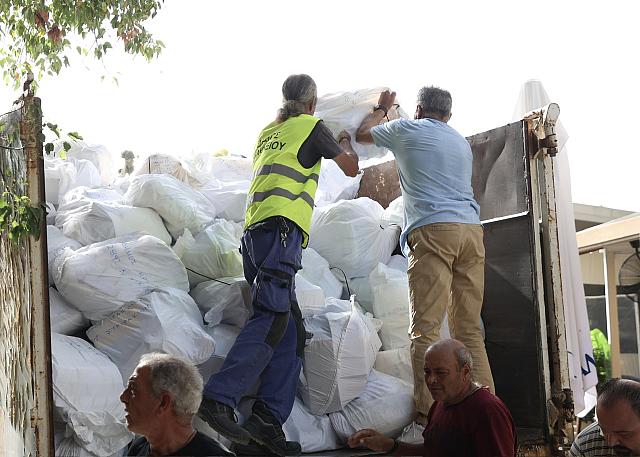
223 337
121 184
310 297
59 177
351 235
390 291
179 205
51 213
102 194
226 301
64 318
315 269
164 320
385 405
346 110
211 254
66 446
398 262
224 168
87 174
390 304
314 433
338 358
166 164
100 278
334 185
86 393
396 363
56 243
88 221
229 198
361 288
97 154
394 213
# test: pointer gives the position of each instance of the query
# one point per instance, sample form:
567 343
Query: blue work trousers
269 348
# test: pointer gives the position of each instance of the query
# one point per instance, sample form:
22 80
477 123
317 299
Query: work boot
221 418
293 449
265 429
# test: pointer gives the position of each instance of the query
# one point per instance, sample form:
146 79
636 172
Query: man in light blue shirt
442 236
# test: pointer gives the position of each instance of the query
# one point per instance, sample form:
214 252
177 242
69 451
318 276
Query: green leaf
66 146
31 41
48 148
75 135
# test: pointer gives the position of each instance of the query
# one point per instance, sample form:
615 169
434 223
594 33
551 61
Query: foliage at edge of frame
40 36
18 218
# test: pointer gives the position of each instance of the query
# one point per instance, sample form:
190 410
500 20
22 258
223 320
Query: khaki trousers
446 274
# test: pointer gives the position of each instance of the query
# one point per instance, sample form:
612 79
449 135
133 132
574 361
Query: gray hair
435 100
463 357
458 349
616 389
179 378
297 92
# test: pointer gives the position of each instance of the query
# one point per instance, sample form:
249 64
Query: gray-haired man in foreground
160 399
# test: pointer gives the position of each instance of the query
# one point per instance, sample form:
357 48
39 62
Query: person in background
160 400
465 419
617 431
442 238
268 351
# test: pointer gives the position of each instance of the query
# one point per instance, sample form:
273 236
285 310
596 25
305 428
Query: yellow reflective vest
281 186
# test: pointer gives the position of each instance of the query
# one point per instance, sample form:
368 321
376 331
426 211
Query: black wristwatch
382 107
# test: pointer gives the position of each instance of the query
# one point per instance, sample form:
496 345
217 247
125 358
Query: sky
217 83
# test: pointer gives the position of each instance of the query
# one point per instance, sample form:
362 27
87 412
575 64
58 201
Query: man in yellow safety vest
286 167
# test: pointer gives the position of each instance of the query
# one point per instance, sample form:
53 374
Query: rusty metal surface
561 394
498 179
42 413
499 171
539 449
381 183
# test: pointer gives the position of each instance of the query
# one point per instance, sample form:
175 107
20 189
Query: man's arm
375 441
363 135
347 160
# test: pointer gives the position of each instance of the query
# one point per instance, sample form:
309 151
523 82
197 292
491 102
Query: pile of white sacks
151 263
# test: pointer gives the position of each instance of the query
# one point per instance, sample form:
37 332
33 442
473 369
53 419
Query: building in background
604 242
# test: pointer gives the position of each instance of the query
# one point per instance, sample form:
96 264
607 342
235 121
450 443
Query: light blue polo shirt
434 164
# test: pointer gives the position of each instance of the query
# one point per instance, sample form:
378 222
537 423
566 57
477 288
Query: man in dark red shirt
466 418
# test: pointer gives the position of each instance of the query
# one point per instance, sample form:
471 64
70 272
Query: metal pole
42 413
613 327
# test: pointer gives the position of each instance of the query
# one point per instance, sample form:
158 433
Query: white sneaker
412 434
